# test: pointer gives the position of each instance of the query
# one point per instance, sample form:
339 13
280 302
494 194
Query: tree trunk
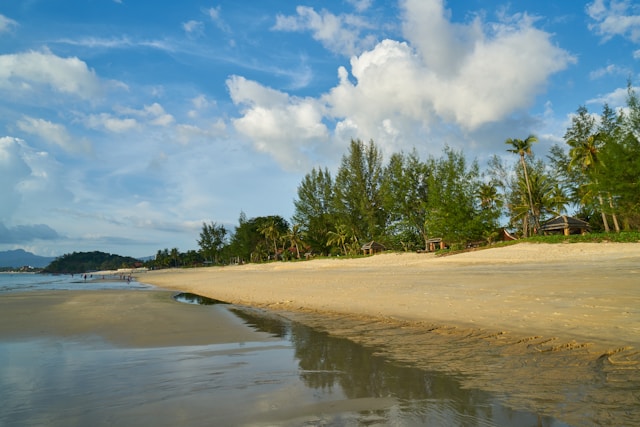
604 216
526 178
613 215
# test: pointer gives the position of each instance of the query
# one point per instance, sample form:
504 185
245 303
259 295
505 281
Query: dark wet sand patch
126 318
563 379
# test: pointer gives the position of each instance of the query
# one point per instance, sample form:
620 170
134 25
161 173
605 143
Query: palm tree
270 232
338 237
558 199
488 195
294 236
522 147
175 254
584 153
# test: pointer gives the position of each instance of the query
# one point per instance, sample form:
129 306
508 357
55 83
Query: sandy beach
587 292
553 328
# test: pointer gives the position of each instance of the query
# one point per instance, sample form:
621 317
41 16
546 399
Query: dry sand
588 292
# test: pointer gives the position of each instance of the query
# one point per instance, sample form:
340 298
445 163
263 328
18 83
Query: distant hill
19 258
81 262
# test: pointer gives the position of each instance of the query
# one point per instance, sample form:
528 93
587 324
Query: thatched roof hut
566 225
372 247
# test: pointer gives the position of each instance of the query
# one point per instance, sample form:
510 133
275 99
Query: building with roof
563 224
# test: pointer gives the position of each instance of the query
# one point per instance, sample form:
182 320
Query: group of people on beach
128 277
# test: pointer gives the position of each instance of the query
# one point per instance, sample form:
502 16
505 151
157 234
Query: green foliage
212 241
453 207
620 178
81 262
622 237
358 199
605 164
407 201
256 239
523 148
405 190
314 211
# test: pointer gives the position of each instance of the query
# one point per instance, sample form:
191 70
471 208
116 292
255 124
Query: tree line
82 262
406 201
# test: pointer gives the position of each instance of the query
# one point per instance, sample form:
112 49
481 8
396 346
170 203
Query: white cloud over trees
445 73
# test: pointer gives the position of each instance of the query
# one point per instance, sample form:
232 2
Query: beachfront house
372 248
563 224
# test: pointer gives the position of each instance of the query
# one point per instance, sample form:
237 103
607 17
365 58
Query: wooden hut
434 244
372 247
566 225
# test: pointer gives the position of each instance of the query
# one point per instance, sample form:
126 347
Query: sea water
23 282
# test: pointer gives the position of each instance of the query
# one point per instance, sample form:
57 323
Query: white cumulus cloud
338 33
108 122
615 18
444 76
154 114
278 124
31 70
54 133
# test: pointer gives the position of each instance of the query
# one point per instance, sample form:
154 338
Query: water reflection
306 378
190 298
328 363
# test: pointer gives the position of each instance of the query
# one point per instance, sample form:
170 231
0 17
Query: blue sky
124 124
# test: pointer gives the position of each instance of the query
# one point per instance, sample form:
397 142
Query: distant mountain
19 258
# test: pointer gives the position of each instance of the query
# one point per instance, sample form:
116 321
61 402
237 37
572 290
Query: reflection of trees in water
327 362
190 298
273 325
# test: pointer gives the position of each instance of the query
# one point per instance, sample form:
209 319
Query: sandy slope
583 291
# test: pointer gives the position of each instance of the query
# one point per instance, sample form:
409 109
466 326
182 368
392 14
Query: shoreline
133 318
550 328
584 292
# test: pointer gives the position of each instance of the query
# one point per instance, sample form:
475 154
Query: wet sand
553 328
123 318
82 358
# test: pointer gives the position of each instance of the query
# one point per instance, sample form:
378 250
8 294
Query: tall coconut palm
522 148
584 153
